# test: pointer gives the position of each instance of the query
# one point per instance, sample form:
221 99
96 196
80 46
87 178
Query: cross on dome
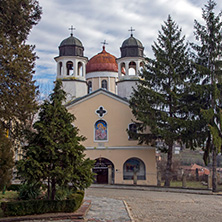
104 44
131 30
72 29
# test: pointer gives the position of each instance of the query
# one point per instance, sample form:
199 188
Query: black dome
71 41
132 47
131 41
71 46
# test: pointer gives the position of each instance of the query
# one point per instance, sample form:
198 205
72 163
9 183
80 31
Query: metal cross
72 29
131 30
104 43
101 112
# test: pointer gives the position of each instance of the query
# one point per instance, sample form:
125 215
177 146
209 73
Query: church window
132 68
134 166
80 69
132 130
101 111
69 66
123 69
141 67
60 68
104 84
89 87
101 131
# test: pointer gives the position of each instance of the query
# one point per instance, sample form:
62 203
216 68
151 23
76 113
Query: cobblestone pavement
156 206
107 210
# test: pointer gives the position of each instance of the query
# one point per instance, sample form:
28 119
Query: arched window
134 165
132 68
104 84
131 131
69 66
101 131
89 87
60 68
123 69
141 67
80 69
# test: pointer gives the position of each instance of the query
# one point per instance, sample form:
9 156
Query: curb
157 189
128 211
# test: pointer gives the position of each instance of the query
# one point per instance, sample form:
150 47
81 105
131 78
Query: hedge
29 207
14 187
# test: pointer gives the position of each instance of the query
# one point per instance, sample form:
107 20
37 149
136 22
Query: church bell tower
71 67
129 65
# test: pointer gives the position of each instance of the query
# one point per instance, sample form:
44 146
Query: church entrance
104 170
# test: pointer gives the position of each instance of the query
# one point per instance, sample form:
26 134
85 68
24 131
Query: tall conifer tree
207 80
17 89
17 60
54 153
157 103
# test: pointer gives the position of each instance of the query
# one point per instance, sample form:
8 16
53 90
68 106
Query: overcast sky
110 20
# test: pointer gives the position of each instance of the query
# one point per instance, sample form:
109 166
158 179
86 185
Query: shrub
14 187
29 191
63 192
28 207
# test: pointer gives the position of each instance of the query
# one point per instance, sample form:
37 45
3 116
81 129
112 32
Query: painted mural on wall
132 164
101 130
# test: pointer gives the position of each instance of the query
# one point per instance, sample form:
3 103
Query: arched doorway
104 170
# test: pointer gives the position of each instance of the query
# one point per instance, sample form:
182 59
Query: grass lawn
190 184
8 196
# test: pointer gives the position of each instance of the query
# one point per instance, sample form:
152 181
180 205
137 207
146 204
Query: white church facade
98 91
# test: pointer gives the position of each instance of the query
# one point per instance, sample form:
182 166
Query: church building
98 91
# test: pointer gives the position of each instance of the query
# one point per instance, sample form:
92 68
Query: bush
28 207
28 192
62 193
14 187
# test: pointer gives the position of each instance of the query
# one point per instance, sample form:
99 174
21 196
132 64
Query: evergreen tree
17 89
158 103
54 153
6 160
207 80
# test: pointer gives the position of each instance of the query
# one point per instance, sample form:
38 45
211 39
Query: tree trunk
53 187
169 166
214 169
48 188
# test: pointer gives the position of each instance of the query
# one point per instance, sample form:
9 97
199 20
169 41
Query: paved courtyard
164 206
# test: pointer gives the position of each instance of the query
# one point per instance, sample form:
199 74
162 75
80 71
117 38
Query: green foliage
29 207
63 193
54 153
14 187
17 61
159 102
207 78
6 160
29 192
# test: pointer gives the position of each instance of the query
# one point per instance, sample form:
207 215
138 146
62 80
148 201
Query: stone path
105 209
145 205
153 206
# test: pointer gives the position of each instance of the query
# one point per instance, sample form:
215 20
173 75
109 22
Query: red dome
103 61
